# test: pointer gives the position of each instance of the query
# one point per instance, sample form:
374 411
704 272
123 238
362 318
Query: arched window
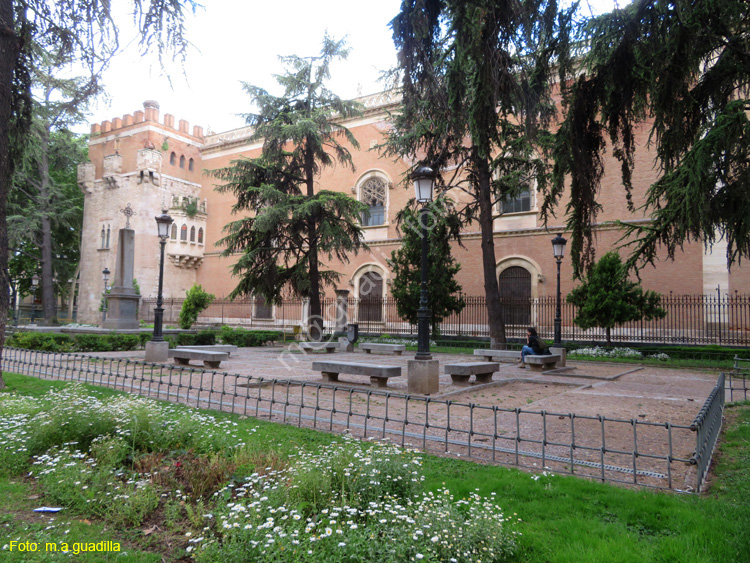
522 202
190 164
373 193
107 245
370 298
192 234
200 235
104 234
183 232
515 295
173 158
182 161
174 231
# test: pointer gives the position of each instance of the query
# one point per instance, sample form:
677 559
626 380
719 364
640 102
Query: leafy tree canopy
607 298
683 67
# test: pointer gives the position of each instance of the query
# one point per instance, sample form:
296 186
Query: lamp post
105 277
163 223
558 250
424 185
34 285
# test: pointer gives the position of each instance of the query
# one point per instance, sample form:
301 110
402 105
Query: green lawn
562 518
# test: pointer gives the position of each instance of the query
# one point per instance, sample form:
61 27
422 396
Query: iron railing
691 319
630 451
707 426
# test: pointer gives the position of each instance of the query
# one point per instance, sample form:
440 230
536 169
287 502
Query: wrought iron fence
634 451
691 319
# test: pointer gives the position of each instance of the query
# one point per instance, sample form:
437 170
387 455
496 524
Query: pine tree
683 67
293 225
607 298
476 80
444 290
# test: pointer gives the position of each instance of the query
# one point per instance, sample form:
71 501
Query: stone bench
460 373
182 356
504 356
368 347
543 363
327 347
378 374
228 348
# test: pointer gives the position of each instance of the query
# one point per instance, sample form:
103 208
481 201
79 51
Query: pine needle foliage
682 67
288 223
477 81
607 298
444 296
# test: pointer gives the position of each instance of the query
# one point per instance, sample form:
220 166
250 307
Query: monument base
423 376
559 352
122 309
157 352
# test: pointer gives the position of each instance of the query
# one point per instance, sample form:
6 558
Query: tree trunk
491 288
8 55
315 316
49 307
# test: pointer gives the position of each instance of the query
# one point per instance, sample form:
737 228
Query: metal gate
515 295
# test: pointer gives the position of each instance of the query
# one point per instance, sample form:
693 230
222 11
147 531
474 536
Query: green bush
77 343
45 342
205 338
185 339
196 301
245 338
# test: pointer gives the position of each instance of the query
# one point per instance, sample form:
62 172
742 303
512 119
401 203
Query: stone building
146 162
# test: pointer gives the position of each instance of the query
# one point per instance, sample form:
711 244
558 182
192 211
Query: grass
562 518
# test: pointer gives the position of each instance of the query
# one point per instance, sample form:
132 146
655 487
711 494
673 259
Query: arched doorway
370 298
515 295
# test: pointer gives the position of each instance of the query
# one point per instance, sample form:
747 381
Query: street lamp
163 223
105 277
34 285
558 250
424 186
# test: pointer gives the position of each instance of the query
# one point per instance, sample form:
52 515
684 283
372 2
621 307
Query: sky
235 41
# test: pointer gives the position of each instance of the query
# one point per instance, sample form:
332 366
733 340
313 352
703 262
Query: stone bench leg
397 352
330 350
367 350
484 377
460 379
379 381
212 363
182 361
330 376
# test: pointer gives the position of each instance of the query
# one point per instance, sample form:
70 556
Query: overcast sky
237 41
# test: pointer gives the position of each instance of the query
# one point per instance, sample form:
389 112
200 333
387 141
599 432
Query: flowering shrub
597 352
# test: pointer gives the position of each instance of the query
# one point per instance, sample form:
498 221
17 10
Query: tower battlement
150 113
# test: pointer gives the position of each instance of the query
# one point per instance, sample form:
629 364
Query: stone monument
122 301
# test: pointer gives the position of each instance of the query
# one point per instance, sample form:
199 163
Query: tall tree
85 29
476 80
293 222
607 298
684 67
445 297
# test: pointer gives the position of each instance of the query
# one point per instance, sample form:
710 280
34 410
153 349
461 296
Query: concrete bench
368 347
460 373
182 356
228 348
504 356
543 363
327 347
378 374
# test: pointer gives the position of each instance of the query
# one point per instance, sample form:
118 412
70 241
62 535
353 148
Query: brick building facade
145 161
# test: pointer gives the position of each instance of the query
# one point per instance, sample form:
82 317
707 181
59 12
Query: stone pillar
342 320
561 352
122 301
423 376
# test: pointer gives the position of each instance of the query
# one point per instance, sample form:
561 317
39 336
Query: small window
373 193
104 237
173 159
191 164
107 245
200 235
174 231
518 204
183 232
182 161
192 234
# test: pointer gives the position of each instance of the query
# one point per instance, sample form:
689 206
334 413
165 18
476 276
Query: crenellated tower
147 164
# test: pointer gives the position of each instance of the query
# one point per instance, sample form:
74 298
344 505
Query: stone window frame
173 234
183 233
362 184
200 235
192 234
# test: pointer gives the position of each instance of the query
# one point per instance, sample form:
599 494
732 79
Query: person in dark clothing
534 346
